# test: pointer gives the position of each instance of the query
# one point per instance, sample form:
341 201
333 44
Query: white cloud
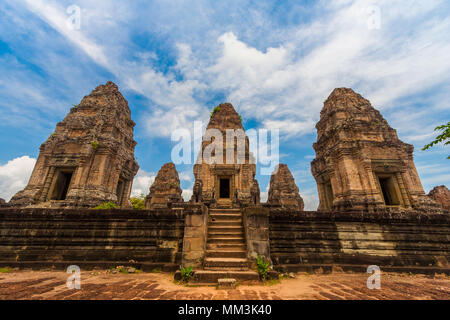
142 182
186 176
55 15
263 196
286 82
311 202
14 176
187 194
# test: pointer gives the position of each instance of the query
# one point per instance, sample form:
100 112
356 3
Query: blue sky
276 61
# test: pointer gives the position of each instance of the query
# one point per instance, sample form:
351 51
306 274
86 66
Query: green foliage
156 270
171 184
5 270
262 268
75 105
214 111
138 202
94 145
443 137
186 274
240 117
106 205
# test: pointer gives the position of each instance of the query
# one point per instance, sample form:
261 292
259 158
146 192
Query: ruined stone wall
307 240
42 238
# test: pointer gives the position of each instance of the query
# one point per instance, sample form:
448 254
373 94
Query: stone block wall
195 230
256 223
42 238
305 240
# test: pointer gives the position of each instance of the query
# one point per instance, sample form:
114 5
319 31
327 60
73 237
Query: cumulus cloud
142 182
276 70
14 176
187 194
311 202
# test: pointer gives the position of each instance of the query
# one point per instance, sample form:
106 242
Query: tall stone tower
283 191
224 173
361 164
166 189
89 159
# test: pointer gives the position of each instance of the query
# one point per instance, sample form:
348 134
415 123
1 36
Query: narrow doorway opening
328 191
119 192
62 184
388 190
224 188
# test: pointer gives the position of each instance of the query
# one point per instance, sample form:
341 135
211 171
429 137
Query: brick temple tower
89 159
361 164
224 174
166 189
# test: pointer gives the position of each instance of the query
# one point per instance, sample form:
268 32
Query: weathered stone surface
411 239
89 159
166 189
3 203
283 191
361 164
441 195
226 160
194 235
39 237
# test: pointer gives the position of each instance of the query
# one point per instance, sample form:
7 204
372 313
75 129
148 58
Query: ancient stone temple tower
224 174
165 190
89 159
361 164
283 191
441 195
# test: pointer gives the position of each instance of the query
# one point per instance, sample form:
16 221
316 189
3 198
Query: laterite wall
308 240
57 237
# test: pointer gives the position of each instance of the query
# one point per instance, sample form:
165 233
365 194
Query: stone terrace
160 286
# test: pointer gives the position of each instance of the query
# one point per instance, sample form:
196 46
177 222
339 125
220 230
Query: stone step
224 210
230 240
213 276
225 263
224 216
221 228
225 246
224 223
221 268
226 253
226 284
226 234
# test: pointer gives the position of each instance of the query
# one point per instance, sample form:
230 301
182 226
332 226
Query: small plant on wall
186 274
262 268
94 145
106 205
138 202
214 111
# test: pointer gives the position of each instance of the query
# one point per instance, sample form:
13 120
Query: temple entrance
328 193
61 184
119 192
388 185
224 188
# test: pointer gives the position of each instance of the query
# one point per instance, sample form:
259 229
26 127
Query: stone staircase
226 250
225 246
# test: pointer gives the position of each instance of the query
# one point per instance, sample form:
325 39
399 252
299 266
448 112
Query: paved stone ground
104 285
